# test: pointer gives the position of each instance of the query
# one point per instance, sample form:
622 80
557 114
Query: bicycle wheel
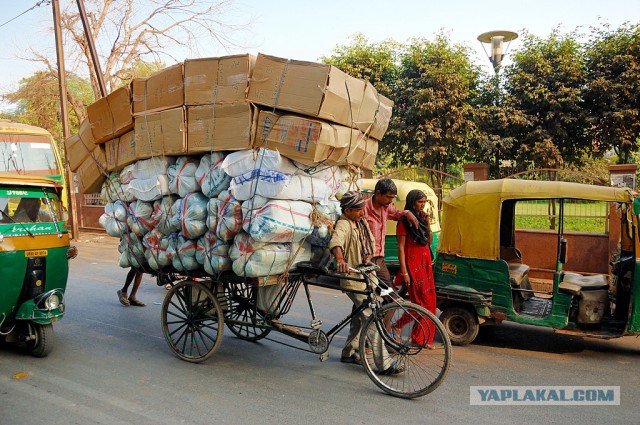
192 321
408 363
240 314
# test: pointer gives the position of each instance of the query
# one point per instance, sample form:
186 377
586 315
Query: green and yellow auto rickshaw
492 267
404 187
34 254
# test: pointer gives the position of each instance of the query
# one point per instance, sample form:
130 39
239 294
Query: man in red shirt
377 210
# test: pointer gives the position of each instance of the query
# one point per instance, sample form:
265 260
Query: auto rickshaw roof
9 127
8 179
471 212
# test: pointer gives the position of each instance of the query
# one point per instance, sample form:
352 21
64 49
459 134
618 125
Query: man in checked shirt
377 210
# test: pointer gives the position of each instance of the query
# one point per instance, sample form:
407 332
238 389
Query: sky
308 30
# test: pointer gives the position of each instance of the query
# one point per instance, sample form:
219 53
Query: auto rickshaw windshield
30 207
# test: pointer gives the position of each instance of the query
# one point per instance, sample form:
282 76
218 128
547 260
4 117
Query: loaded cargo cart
225 180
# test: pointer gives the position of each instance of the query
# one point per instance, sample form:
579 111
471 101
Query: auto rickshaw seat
574 283
517 274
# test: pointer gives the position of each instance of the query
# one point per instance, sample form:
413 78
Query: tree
545 83
612 91
434 115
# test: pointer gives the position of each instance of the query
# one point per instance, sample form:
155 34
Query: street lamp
497 40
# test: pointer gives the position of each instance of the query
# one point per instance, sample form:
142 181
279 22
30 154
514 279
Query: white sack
210 176
182 180
213 254
149 189
189 215
183 253
278 221
114 219
225 216
162 212
241 162
276 185
131 252
256 259
139 217
146 169
156 245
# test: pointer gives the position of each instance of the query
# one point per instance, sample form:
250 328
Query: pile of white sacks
254 212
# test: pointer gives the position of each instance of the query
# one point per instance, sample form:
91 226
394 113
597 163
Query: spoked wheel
42 345
192 321
405 350
240 314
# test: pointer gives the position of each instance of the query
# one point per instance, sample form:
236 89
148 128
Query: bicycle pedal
324 356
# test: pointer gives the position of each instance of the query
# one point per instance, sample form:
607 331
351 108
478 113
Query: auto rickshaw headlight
52 302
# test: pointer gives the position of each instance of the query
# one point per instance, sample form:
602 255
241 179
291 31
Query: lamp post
497 40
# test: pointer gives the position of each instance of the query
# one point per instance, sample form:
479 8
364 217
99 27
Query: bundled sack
182 176
278 221
255 259
351 179
323 219
241 162
114 219
156 247
189 215
225 216
131 252
210 176
276 185
148 190
213 254
162 212
332 176
139 217
111 190
183 254
146 169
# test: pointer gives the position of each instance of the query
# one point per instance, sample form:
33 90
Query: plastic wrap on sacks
114 219
162 212
189 215
183 254
111 188
139 217
146 169
278 221
225 216
276 185
213 254
255 259
131 252
156 245
149 189
240 162
182 176
210 175
332 176
351 180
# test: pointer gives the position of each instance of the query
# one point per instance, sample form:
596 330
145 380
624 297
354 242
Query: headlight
52 302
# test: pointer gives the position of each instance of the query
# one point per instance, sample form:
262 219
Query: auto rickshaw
481 271
34 254
391 242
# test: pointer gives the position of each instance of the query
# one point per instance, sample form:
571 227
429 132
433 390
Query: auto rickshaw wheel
461 325
42 344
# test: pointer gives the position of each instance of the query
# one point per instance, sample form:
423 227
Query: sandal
123 298
135 301
396 334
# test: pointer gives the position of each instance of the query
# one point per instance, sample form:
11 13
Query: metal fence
579 216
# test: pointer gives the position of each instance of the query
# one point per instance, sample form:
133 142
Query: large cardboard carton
374 117
78 146
219 127
217 80
162 90
304 139
314 89
92 172
120 152
161 133
363 153
110 116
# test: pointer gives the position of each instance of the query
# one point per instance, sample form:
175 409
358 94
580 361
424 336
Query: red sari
422 289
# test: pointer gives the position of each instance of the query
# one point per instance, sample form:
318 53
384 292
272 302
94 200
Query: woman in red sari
416 273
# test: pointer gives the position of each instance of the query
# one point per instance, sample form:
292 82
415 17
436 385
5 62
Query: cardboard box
363 153
161 133
110 116
374 117
313 89
162 90
303 139
227 127
217 80
120 152
92 172
79 145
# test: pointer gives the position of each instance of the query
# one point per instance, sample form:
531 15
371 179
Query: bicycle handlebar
364 268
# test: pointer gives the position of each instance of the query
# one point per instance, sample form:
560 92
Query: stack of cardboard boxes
309 112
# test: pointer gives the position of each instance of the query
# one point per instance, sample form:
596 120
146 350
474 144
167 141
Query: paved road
111 365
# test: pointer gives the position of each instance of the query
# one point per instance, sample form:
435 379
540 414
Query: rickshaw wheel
461 325
240 312
408 360
43 344
192 321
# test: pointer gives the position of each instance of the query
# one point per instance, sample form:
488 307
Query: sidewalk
95 237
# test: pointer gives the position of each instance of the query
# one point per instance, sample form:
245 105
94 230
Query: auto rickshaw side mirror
563 251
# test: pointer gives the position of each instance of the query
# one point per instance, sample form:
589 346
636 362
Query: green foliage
613 89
